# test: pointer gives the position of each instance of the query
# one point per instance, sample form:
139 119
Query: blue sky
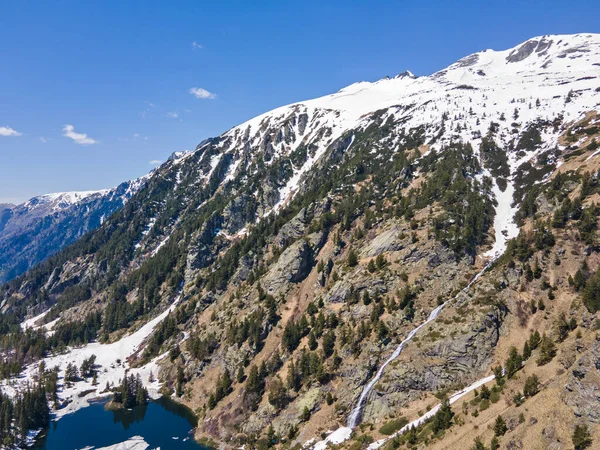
95 93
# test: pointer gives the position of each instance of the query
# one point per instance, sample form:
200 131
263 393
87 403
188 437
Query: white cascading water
356 413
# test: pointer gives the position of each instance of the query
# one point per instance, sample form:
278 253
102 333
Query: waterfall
355 415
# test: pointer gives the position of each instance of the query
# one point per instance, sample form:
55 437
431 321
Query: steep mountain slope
44 225
347 262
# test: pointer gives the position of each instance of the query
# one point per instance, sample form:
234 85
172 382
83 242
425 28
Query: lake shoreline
163 422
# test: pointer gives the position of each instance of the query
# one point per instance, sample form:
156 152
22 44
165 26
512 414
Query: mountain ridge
32 231
268 274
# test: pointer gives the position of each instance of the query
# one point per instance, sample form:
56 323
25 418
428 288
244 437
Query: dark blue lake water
158 423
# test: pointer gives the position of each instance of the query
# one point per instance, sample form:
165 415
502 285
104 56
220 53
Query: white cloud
172 114
149 106
155 162
43 139
79 138
202 93
197 46
8 131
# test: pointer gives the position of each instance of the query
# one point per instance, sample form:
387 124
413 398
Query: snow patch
134 443
111 364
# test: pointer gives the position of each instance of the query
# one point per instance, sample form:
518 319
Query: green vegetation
29 410
131 392
393 425
582 438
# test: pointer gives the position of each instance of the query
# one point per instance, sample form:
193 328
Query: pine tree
500 427
179 382
277 393
294 380
141 394
371 266
494 444
591 293
531 386
526 351
547 351
352 258
581 437
305 414
534 340
485 393
442 420
329 398
254 389
513 363
411 435
312 341
478 444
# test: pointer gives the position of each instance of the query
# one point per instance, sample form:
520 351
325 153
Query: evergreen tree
442 420
277 393
500 427
591 293
534 340
312 341
254 389
478 444
513 363
526 351
581 437
494 444
531 386
352 258
305 414
547 351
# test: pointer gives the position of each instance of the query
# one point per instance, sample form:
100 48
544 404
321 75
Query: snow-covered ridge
540 79
62 200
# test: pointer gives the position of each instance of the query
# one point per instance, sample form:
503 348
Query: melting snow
111 362
134 443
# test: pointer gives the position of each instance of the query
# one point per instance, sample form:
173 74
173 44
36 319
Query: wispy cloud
154 162
134 137
8 131
202 93
197 46
172 114
79 138
149 106
43 139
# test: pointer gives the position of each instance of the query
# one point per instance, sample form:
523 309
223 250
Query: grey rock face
238 213
461 354
293 265
582 391
292 230
388 241
522 52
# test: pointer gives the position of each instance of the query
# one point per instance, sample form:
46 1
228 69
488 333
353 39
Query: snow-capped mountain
354 257
542 79
42 226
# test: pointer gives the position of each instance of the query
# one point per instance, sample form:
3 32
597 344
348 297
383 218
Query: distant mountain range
34 230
